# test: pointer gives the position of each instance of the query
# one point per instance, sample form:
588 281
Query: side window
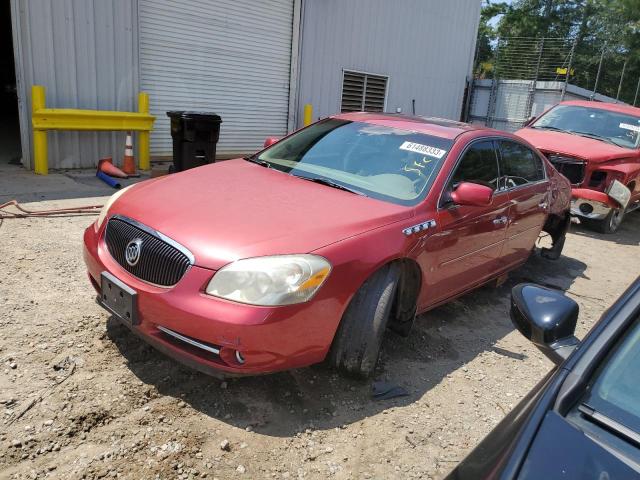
479 165
519 165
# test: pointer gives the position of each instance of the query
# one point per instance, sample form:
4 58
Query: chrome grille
160 262
572 168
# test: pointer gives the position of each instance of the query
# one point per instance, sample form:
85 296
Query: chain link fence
528 75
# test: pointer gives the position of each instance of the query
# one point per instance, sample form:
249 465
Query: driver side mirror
270 141
529 121
547 318
467 193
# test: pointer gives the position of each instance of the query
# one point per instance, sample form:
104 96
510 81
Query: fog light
586 208
239 357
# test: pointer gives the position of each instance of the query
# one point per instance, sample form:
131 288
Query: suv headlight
107 206
270 281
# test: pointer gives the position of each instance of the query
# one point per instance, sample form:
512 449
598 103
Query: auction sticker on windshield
423 149
628 126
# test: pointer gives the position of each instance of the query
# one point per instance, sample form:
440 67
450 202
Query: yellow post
143 136
308 114
41 163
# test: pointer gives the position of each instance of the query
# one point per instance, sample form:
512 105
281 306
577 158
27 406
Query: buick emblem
132 252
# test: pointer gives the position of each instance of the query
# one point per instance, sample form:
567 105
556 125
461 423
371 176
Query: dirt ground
81 397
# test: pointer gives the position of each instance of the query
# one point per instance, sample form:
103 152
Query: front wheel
356 346
610 223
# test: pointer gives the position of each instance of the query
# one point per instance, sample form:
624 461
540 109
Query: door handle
500 220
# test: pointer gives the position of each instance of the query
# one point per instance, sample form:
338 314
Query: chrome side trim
419 227
194 343
157 234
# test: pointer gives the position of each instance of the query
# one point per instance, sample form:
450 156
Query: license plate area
118 298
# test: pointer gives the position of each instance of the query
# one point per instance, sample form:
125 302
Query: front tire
356 346
610 223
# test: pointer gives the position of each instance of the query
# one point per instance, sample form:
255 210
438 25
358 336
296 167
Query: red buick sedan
310 249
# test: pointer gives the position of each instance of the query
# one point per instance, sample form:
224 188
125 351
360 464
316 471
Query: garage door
231 57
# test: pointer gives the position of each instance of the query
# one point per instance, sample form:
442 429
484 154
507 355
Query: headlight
107 206
268 281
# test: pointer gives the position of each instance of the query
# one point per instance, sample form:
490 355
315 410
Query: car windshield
610 127
378 161
615 392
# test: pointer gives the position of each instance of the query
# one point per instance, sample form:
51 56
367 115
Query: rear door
524 178
466 248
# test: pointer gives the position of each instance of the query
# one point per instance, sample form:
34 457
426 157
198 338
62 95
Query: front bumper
268 339
591 204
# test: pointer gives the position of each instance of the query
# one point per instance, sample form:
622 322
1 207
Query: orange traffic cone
105 165
129 163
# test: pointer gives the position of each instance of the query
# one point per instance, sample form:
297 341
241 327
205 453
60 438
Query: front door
523 177
466 247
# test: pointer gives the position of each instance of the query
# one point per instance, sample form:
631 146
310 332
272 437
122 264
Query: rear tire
356 346
611 222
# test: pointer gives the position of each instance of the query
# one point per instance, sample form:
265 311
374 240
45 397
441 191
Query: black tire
611 222
356 346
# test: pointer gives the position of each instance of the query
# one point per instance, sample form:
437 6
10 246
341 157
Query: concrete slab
23 185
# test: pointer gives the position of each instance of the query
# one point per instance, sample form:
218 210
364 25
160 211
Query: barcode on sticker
423 149
628 126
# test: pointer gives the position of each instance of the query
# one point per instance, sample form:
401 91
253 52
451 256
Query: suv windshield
610 127
378 161
616 390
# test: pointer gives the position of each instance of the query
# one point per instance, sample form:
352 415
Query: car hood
574 145
236 209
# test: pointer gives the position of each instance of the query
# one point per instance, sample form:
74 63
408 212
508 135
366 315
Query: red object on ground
217 214
106 166
128 162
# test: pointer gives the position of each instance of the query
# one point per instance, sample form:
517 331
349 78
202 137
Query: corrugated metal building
255 63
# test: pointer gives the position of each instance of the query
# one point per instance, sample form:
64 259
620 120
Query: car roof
438 127
612 107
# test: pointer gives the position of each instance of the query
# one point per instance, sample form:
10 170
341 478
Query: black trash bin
195 135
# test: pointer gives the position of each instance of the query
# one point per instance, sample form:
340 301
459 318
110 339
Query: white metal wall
426 47
85 53
231 57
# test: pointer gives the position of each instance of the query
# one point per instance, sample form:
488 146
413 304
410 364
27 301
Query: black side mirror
529 121
547 318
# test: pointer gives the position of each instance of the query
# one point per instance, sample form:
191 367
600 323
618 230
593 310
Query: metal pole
595 86
534 82
494 86
566 79
624 67
635 99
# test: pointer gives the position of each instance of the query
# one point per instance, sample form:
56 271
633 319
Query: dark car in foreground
582 421
309 249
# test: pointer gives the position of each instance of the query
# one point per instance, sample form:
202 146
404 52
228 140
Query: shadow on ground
286 403
627 233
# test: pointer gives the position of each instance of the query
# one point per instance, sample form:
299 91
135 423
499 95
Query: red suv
597 147
311 248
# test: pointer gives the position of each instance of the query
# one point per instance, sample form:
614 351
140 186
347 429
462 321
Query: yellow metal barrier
308 114
44 119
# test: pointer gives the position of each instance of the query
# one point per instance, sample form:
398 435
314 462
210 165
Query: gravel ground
80 397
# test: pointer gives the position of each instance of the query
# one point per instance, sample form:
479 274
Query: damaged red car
597 147
312 248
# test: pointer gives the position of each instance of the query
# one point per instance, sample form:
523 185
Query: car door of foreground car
523 177
465 250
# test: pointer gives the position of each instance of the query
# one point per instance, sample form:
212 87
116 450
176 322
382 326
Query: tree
591 23
486 36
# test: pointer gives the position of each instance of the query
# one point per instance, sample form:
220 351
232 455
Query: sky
494 21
